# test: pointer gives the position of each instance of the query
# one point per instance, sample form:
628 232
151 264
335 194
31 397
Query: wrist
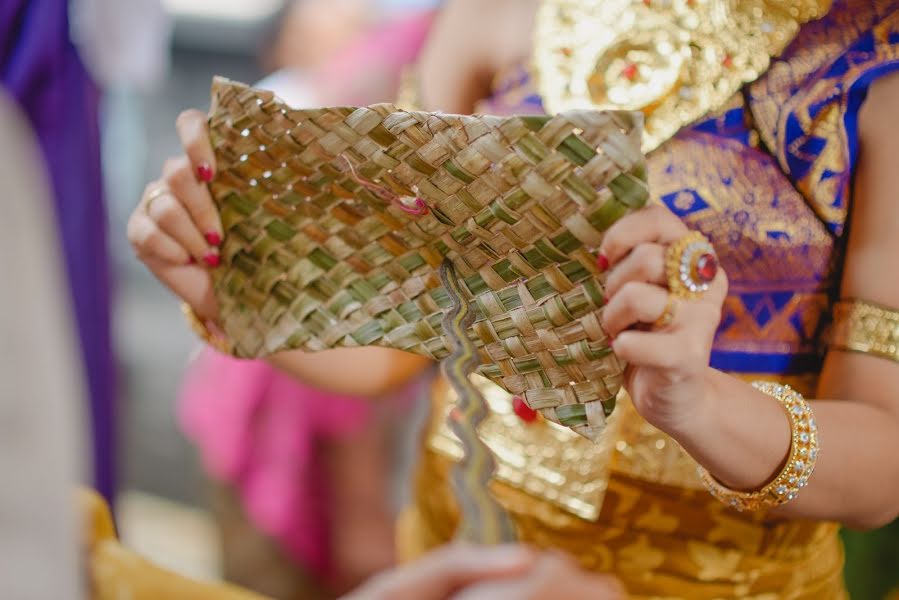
702 420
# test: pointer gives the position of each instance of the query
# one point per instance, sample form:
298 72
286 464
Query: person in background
303 465
40 68
41 429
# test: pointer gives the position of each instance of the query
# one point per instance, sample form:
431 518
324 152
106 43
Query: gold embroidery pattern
800 105
662 542
777 254
673 60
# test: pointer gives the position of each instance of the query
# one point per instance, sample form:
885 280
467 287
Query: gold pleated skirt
661 540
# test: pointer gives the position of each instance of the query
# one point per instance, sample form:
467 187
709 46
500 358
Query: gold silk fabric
767 177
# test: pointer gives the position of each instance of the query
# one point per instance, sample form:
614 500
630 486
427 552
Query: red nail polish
204 172
213 238
191 260
212 259
602 263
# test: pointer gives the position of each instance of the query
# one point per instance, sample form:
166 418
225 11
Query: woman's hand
667 364
497 573
442 573
553 577
175 229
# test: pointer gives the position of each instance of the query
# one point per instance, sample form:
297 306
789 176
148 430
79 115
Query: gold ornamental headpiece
674 60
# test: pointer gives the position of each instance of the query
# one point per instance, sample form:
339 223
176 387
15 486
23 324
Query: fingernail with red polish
602 263
212 259
213 238
204 172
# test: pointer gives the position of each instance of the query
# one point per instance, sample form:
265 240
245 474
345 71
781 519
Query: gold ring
153 195
668 313
690 265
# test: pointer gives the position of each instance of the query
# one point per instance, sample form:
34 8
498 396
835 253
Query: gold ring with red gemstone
690 265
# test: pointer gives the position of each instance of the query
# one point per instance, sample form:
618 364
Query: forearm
366 372
743 440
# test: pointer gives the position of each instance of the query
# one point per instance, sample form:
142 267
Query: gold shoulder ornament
674 60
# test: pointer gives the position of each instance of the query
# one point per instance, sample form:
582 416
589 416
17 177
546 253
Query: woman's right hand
512 572
175 229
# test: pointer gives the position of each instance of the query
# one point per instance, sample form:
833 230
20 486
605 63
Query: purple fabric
41 69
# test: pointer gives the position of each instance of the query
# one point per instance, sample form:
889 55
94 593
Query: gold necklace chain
674 60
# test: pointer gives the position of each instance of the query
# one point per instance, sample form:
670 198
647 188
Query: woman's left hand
667 362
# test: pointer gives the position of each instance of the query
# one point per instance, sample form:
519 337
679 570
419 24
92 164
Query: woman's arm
741 436
471 42
366 372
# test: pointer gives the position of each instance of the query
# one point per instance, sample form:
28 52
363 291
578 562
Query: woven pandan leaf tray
337 221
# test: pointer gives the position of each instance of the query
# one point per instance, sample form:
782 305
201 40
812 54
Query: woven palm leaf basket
340 222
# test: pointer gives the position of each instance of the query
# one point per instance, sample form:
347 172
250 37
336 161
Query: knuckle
647 259
188 117
178 173
165 211
169 165
724 281
132 232
630 292
659 214
643 253
144 240
611 243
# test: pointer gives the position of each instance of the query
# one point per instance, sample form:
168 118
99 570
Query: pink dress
256 428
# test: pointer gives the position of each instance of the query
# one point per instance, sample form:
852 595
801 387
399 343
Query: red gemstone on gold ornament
630 71
524 412
707 267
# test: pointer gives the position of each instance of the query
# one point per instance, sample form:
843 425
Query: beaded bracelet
800 464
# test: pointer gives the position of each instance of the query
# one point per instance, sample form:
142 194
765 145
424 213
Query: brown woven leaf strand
327 243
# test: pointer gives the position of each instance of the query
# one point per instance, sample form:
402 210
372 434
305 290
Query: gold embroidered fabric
661 541
675 60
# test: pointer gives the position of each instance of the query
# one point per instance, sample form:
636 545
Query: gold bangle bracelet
800 464
865 327
201 329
